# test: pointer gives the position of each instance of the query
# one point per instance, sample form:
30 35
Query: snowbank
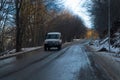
23 50
105 44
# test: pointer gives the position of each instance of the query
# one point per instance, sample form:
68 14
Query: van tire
48 48
59 47
45 48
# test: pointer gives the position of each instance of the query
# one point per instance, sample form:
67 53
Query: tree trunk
18 27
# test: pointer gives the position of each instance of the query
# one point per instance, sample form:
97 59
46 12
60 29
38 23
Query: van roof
54 33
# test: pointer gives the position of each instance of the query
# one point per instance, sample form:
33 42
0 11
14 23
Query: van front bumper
52 45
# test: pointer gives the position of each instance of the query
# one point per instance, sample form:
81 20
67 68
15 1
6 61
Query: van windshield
52 36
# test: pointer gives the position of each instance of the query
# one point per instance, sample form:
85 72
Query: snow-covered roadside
113 56
24 50
103 47
109 62
104 44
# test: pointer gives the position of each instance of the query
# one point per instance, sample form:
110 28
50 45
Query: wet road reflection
68 64
7 61
66 67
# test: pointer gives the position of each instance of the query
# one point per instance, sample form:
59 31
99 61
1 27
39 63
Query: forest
24 23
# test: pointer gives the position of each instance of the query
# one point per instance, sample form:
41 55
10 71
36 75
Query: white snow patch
31 48
23 50
104 44
114 56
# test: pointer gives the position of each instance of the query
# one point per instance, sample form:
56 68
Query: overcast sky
79 8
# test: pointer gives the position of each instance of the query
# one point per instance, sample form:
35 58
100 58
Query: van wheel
59 48
45 48
48 48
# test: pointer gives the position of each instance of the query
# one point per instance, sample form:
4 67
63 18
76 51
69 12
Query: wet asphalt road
70 63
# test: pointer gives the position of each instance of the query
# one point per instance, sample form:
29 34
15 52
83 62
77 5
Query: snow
103 41
23 50
114 53
104 44
31 48
110 56
76 39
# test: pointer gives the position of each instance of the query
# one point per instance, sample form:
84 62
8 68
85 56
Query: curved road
71 63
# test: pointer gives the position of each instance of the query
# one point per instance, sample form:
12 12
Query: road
70 63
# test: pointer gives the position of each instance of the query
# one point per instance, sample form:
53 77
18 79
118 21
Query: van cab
52 39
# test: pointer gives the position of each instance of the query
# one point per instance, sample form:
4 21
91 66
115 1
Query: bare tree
5 12
70 26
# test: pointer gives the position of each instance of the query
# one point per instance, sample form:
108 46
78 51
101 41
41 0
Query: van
52 39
